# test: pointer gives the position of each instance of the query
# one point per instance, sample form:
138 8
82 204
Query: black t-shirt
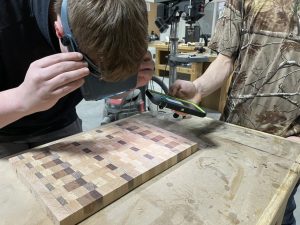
25 37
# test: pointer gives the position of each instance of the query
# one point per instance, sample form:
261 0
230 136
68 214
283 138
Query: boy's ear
58 28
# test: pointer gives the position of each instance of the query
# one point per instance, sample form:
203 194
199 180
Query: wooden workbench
238 176
196 69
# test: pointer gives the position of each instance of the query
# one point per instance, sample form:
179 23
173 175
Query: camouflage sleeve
226 38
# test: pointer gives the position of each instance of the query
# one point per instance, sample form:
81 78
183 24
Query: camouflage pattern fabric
262 36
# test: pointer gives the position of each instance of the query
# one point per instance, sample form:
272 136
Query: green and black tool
179 105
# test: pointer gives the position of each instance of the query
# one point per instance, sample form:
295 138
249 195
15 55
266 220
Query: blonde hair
113 33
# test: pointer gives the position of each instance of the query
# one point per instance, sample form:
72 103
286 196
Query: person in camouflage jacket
258 42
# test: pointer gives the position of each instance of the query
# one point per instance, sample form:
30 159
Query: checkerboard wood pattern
74 179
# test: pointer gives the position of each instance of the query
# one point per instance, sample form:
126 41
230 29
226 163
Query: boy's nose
147 57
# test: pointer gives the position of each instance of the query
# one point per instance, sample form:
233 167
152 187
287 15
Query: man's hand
185 90
49 79
146 70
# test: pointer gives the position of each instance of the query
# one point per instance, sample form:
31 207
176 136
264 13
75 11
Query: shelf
178 69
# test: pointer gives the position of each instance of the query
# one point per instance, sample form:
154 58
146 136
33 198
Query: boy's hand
146 70
49 79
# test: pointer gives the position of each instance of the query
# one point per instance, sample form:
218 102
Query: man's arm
47 80
215 75
213 78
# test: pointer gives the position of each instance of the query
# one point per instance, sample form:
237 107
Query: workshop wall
152 12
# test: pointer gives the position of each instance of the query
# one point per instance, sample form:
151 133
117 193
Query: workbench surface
238 176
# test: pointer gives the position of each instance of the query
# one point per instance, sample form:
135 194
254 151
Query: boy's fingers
57 58
68 77
63 67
